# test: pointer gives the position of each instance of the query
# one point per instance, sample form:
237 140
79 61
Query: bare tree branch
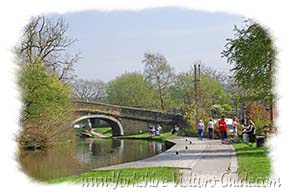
44 40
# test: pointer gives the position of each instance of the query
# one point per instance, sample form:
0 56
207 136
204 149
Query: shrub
46 108
260 117
187 132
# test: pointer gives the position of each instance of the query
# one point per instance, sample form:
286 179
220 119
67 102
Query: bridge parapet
89 107
134 120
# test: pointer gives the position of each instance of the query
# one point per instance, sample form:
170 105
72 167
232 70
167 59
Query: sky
114 42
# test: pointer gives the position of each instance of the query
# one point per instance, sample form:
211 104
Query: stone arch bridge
124 120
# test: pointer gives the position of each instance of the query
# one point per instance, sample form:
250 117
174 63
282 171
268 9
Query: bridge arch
117 128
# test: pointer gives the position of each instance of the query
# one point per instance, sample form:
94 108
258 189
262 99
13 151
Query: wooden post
197 90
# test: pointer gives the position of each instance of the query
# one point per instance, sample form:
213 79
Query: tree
159 73
89 90
220 76
45 41
46 107
253 56
132 90
260 116
181 92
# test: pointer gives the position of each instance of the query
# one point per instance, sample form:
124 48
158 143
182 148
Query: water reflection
84 155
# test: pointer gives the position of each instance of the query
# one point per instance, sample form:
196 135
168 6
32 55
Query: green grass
163 136
104 130
253 162
125 176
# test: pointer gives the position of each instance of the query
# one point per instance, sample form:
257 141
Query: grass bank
104 130
253 162
126 176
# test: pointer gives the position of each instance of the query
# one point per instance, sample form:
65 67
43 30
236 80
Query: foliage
254 163
45 41
181 92
89 90
220 76
260 116
46 107
217 110
159 73
132 90
211 93
191 132
253 56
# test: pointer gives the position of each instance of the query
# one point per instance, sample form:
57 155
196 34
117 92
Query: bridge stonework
133 120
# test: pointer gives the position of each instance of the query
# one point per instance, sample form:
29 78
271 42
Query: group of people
155 131
248 131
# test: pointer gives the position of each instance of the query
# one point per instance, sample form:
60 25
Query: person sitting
175 129
151 131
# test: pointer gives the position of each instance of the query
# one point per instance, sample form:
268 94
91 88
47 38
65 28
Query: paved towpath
202 158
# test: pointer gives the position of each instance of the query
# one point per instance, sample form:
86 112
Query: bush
46 109
187 132
260 117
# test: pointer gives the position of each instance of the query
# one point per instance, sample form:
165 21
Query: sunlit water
84 155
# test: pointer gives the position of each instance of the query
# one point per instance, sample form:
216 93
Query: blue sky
112 43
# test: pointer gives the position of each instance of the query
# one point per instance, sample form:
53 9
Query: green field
253 162
127 176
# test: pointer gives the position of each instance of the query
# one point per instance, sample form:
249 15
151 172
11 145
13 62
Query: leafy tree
45 41
89 90
260 116
132 90
181 92
211 92
159 73
253 56
46 108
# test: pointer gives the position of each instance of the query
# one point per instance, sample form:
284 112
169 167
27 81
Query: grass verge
254 163
126 176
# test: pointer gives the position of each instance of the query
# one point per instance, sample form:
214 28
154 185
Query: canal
86 154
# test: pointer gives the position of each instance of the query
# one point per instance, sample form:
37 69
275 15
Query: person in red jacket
223 129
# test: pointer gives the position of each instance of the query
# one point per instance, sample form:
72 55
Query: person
157 130
223 129
249 132
200 129
151 130
175 129
235 123
210 129
89 126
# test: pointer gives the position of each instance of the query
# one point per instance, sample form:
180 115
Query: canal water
86 154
